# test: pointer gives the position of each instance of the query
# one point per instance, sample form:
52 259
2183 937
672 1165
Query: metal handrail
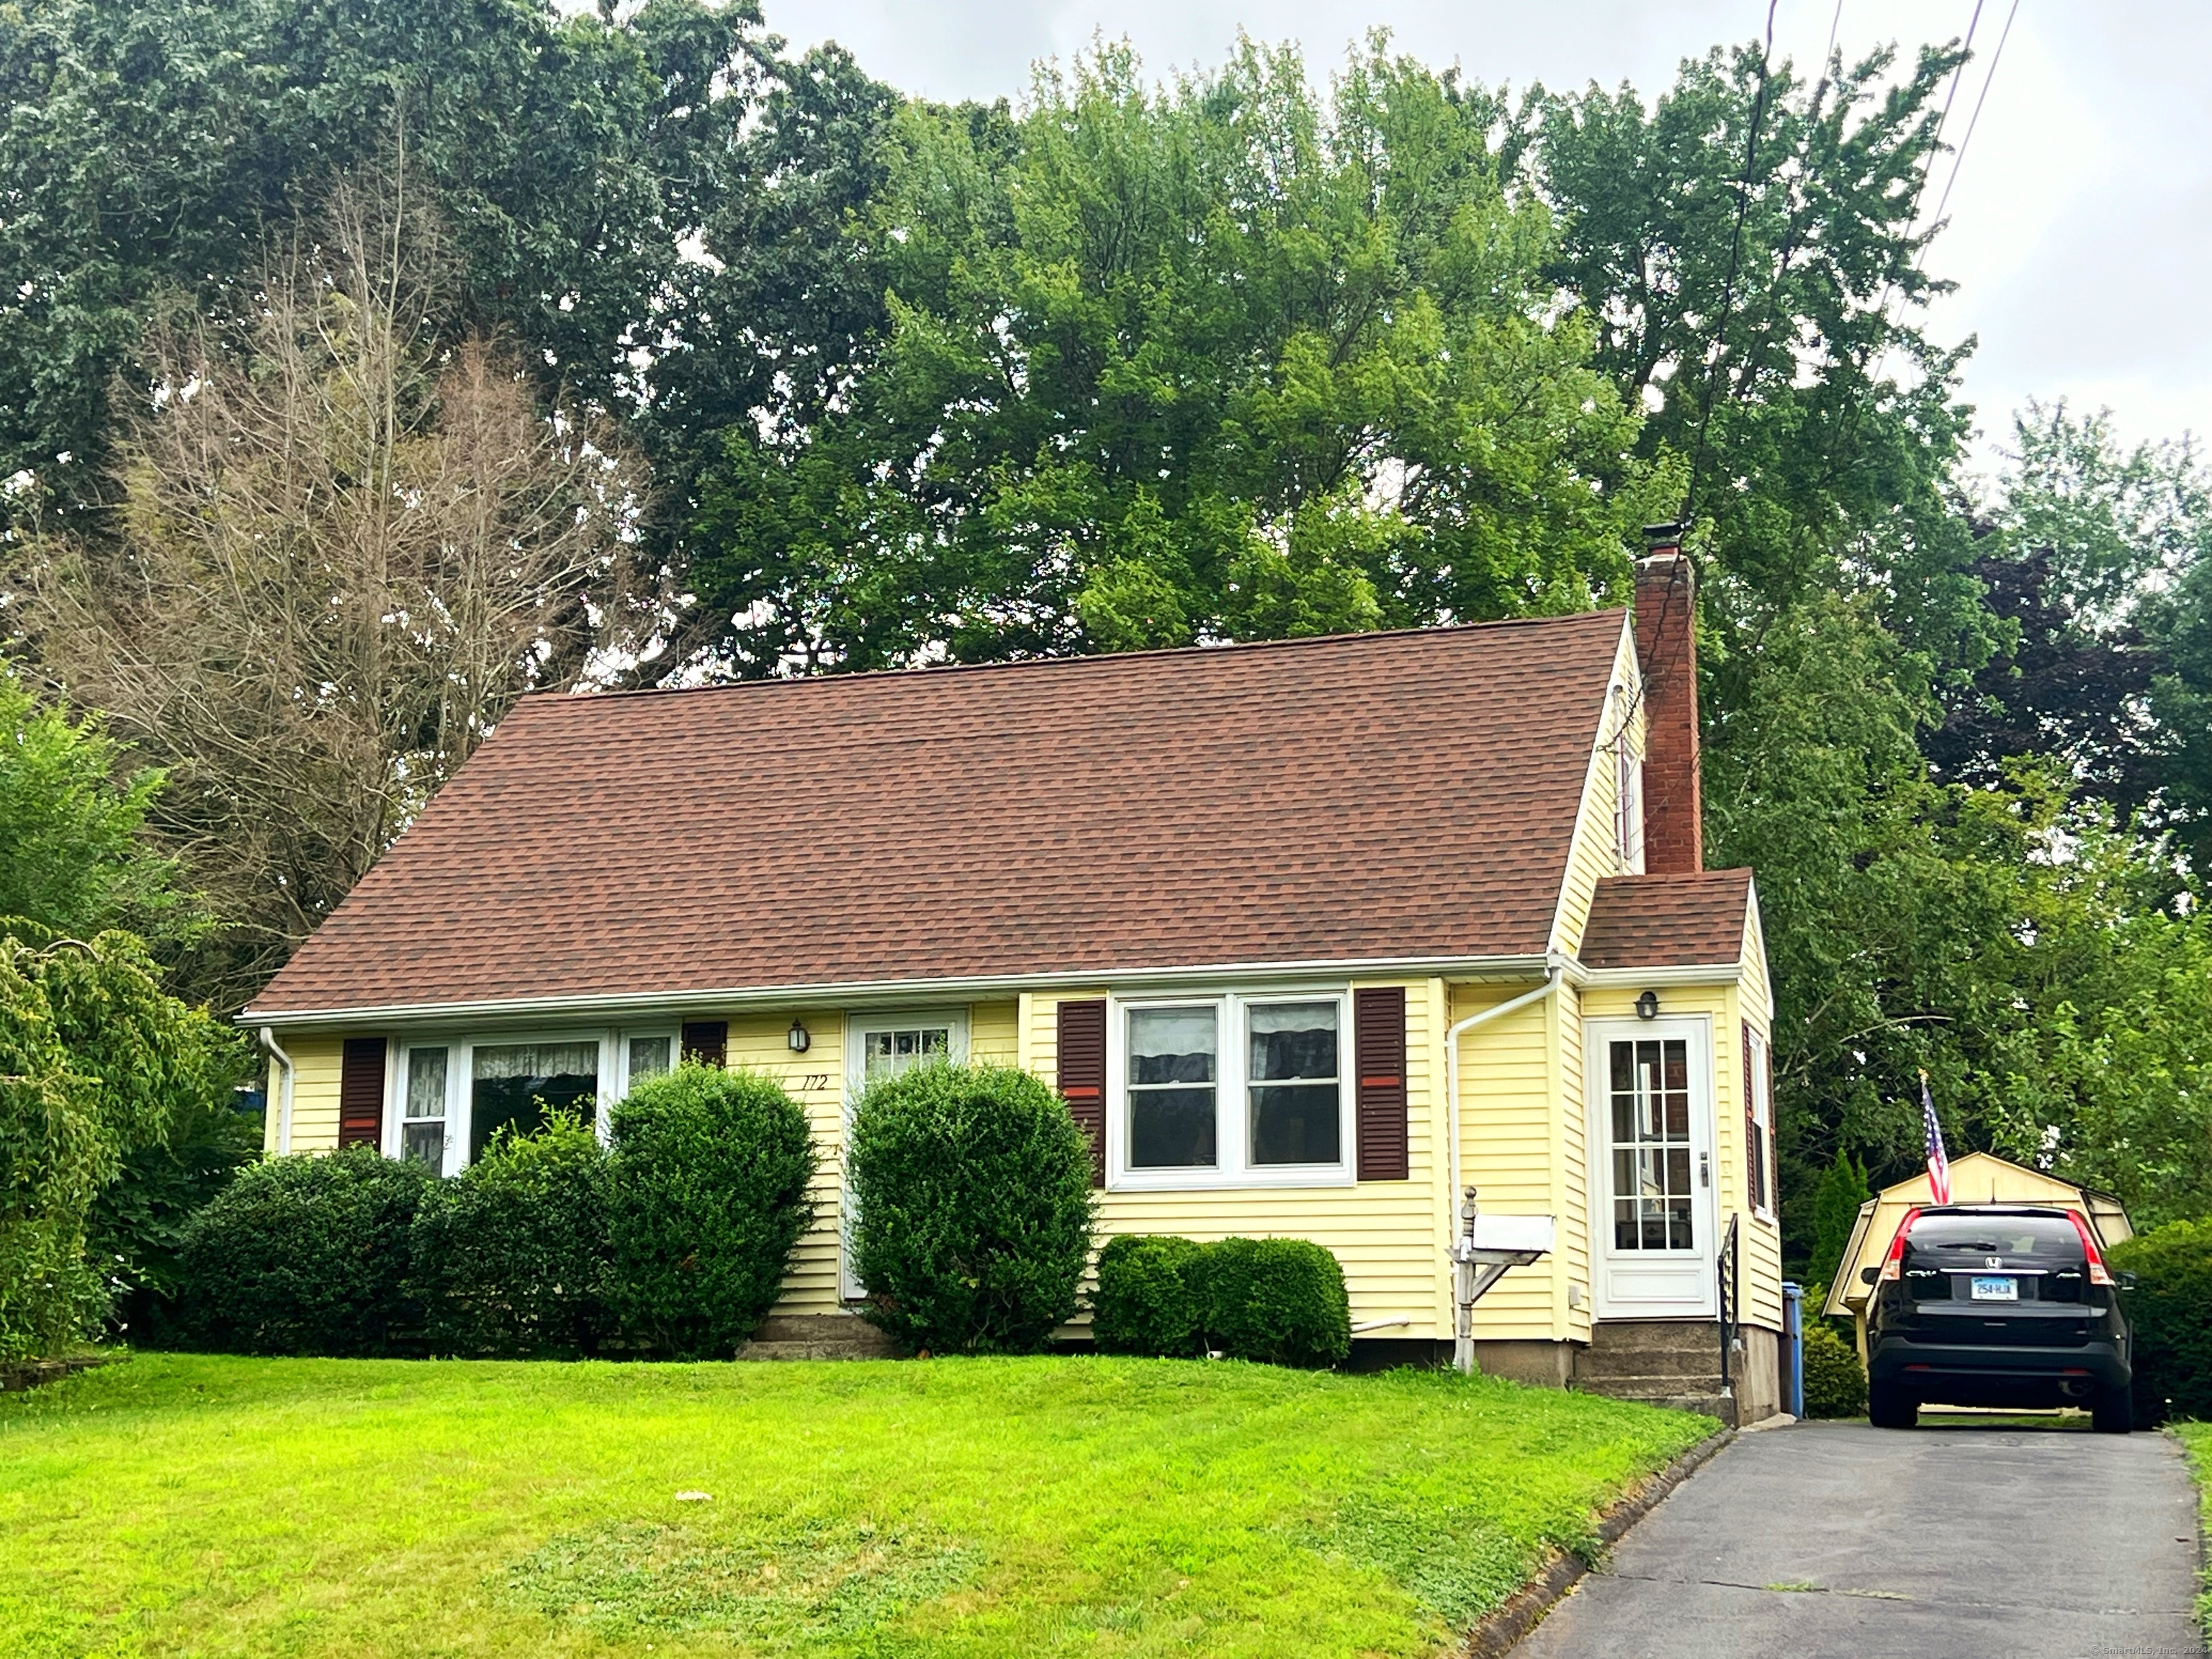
1729 1269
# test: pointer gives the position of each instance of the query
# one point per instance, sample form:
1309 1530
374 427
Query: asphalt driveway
1960 1539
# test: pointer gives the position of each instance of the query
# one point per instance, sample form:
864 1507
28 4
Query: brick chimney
1667 652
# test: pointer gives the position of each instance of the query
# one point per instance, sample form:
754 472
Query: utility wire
1717 344
1959 160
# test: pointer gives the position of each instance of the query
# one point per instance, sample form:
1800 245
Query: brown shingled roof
1668 921
1378 796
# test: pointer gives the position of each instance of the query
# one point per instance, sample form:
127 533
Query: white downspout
283 1089
1464 1287
1553 981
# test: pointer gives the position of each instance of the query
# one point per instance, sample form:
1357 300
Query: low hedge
1150 1299
1835 1382
304 1255
972 1208
706 1197
511 1258
1280 1301
2171 1309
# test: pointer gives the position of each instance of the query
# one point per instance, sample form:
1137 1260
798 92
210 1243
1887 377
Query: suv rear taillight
1892 1264
2098 1273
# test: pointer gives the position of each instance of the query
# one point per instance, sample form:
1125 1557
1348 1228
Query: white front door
884 1045
1651 1141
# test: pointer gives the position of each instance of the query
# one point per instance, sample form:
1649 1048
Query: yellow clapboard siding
991 1033
1595 852
317 1063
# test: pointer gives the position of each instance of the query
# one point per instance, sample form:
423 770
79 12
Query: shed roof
1383 796
1678 920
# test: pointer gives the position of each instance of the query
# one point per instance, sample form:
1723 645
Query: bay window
448 1095
1231 1090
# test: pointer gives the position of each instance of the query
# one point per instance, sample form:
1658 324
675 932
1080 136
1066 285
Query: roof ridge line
1226 648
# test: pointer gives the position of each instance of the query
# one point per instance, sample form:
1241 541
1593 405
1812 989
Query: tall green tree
160 145
74 859
1219 359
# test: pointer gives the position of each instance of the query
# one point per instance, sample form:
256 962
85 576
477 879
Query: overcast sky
2080 226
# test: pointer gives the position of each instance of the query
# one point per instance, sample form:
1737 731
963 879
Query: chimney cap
1658 538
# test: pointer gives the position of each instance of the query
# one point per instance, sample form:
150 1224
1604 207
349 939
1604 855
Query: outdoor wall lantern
797 1037
1647 1005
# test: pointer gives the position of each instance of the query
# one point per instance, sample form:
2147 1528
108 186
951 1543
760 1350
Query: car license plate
1991 1288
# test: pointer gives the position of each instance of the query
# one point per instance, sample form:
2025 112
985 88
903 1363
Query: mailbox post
1487 1245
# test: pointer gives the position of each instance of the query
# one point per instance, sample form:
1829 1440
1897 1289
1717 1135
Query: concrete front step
1675 1393
819 1336
1705 1360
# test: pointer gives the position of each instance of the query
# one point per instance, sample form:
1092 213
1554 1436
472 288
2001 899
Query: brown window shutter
1755 1143
361 1092
707 1040
1083 1075
1378 1027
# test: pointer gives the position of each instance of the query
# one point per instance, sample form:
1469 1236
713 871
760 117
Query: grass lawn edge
2195 1440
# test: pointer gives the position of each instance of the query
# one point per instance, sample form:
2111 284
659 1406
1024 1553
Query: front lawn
200 1505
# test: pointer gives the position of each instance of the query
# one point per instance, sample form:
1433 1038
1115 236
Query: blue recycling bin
1793 1332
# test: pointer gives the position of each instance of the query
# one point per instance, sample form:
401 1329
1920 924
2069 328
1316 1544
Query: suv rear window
2049 1238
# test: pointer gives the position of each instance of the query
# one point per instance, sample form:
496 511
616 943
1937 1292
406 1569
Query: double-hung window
1231 1090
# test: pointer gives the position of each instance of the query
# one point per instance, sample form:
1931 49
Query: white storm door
1651 1140
884 1045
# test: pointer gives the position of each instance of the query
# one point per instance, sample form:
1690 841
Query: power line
1717 343
1959 159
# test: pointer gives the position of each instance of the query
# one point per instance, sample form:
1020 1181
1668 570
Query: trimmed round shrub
304 1255
1148 1300
2171 1309
1835 1382
511 1256
706 1200
1280 1301
971 1188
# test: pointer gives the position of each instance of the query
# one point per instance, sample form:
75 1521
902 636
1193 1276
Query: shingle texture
1389 795
1668 921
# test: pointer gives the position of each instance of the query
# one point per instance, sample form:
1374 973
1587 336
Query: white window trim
611 1044
1232 1129
857 1025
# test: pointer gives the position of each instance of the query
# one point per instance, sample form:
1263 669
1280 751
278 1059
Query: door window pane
518 1083
1174 1055
648 1059
1651 1175
1296 1102
887 1054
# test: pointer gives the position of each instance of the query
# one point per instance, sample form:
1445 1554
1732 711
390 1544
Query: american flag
1939 1166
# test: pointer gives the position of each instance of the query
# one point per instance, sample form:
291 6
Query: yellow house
1310 935
1976 1178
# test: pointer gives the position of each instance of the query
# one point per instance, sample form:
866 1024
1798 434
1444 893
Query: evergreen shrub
973 1208
511 1256
2171 1309
1281 1301
706 1200
1150 1299
304 1255
1835 1382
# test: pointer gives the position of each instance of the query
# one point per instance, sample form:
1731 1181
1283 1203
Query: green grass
200 1505
2196 1439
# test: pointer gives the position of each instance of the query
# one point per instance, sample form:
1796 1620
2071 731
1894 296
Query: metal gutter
882 992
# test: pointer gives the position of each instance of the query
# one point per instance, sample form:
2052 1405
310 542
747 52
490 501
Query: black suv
1995 1305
